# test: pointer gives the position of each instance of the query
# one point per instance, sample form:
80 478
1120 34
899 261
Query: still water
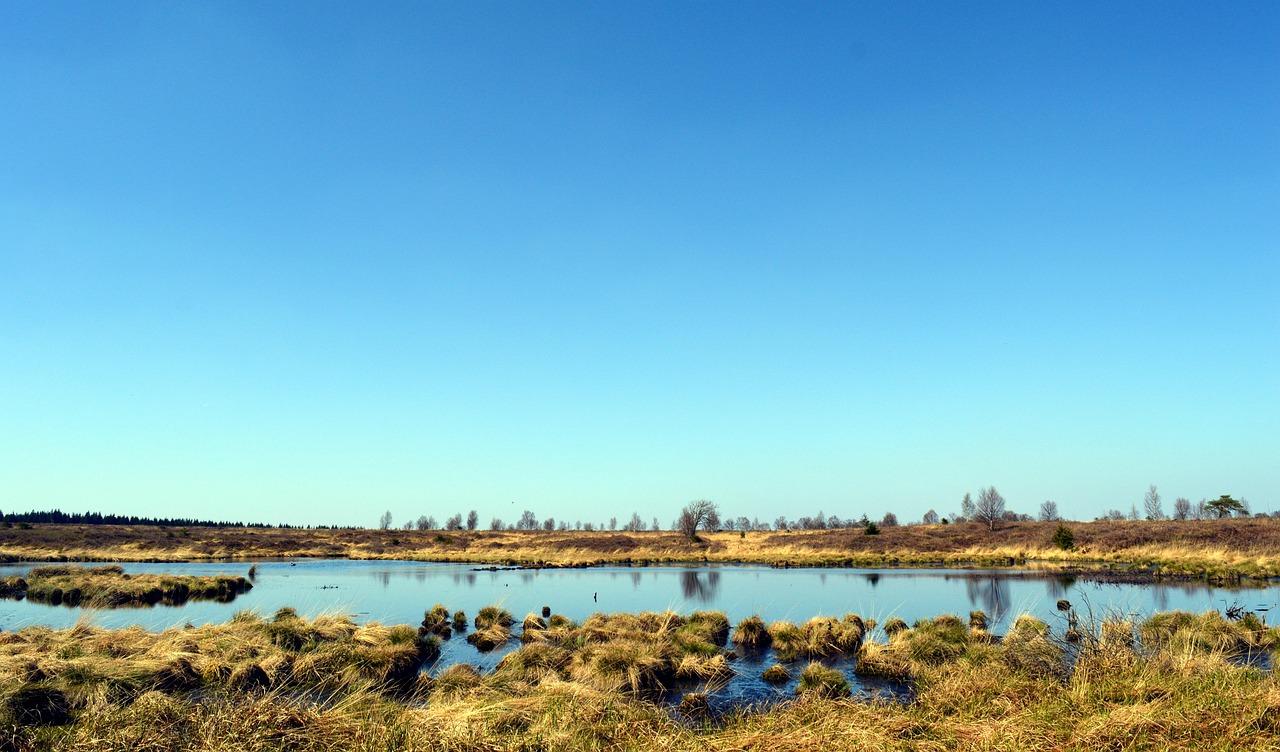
398 592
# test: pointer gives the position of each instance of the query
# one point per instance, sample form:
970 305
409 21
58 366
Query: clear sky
307 262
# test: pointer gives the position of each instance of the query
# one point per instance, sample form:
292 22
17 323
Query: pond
398 592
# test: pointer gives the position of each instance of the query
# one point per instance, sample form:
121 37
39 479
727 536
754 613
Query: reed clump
820 637
822 681
752 632
492 628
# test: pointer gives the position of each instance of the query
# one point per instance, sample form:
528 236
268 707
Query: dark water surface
398 592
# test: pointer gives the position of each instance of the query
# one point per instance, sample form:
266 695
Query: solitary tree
930 518
1181 508
1225 506
384 522
701 513
473 519
1151 504
1049 511
889 520
989 509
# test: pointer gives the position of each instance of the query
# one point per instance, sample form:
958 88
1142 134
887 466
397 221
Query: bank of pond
563 683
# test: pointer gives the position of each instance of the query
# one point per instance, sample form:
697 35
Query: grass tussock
1166 683
110 587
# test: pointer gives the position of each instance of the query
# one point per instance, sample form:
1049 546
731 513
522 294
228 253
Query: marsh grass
1164 683
110 586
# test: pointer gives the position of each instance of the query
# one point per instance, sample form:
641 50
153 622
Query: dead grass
1217 549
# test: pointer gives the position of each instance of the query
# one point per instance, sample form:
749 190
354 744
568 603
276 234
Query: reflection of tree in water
694 587
383 577
872 579
990 593
635 579
465 578
1059 587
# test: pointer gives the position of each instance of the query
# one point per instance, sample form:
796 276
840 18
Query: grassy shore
1214 550
329 684
109 587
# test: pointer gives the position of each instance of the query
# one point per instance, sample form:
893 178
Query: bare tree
966 507
780 524
656 525
549 523
589 526
426 522
1151 504
697 514
473 519
989 508
930 518
1181 508
384 522
889 520
454 522
408 525
1049 511
496 524
528 521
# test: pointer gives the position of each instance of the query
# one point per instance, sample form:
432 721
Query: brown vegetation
1213 549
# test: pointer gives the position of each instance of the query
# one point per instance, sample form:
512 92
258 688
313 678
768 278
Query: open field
1216 550
328 684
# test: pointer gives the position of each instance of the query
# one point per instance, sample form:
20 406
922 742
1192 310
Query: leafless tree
454 522
1151 504
426 522
889 520
930 518
384 522
1181 508
473 519
496 524
780 524
966 507
408 525
989 508
528 521
549 523
1049 511
701 513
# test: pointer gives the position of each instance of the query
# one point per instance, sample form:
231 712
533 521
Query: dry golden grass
1179 692
1217 549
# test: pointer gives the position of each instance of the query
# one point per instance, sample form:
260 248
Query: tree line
988 509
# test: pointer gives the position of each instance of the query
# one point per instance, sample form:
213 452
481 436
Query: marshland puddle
398 592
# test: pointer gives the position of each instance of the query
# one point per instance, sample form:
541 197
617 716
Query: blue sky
304 262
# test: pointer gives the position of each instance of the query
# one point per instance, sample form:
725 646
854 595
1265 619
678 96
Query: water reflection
989 593
696 589
872 579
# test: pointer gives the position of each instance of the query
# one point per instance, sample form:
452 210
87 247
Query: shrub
1063 538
